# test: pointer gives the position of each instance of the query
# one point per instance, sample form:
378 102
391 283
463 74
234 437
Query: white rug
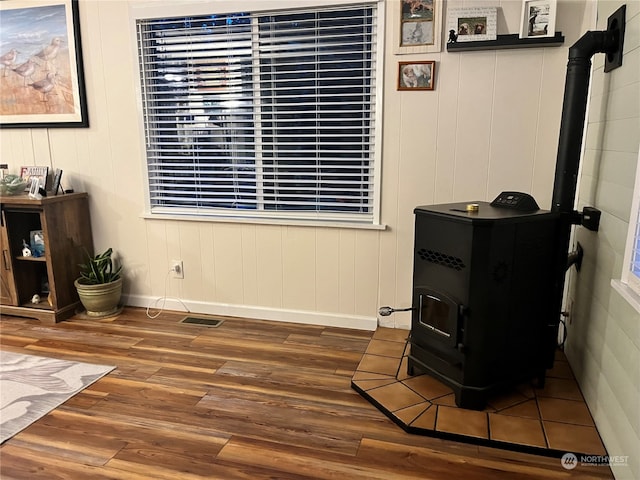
30 387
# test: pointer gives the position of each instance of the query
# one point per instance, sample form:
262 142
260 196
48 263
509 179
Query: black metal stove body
483 285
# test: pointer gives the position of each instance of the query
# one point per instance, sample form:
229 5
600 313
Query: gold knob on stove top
473 207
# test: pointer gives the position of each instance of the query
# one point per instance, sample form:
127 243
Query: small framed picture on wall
417 26
473 24
416 75
538 18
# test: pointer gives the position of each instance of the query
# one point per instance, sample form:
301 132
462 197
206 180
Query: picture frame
57 178
472 24
30 172
417 26
538 18
42 78
416 75
34 188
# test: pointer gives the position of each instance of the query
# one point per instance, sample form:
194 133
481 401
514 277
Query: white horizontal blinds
197 99
262 112
317 110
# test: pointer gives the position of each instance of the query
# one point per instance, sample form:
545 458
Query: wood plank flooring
246 400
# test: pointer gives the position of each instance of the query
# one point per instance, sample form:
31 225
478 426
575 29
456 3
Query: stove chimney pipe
574 113
574 110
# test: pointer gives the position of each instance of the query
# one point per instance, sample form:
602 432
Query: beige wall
491 124
603 344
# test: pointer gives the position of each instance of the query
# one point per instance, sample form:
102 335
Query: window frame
152 10
629 284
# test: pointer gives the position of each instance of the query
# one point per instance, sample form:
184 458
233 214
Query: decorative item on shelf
416 75
57 177
453 36
36 243
100 285
26 251
538 18
33 171
35 298
34 189
472 24
418 26
12 185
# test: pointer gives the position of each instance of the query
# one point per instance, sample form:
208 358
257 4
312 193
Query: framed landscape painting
41 77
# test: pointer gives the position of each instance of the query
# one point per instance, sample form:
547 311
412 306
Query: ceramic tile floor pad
549 421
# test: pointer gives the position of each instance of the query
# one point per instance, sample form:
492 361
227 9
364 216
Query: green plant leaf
99 269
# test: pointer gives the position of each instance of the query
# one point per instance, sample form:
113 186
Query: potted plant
100 284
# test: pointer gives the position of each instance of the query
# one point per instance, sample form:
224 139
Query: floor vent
204 321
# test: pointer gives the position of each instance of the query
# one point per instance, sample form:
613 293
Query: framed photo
31 172
538 19
473 24
417 25
57 177
42 79
416 75
34 188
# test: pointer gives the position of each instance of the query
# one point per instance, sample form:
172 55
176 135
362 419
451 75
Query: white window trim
155 9
629 285
255 220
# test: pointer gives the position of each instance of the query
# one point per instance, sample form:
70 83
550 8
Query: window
631 265
267 114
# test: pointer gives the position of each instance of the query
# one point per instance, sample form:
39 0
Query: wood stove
483 284
488 279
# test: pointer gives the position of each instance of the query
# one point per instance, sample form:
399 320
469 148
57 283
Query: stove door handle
463 311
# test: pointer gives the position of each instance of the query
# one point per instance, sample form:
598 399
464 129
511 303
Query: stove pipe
573 115
574 110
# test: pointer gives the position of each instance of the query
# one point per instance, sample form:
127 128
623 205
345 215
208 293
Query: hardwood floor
246 400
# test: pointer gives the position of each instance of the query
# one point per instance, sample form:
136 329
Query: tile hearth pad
550 421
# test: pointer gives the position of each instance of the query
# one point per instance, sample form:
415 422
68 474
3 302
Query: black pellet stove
488 278
483 280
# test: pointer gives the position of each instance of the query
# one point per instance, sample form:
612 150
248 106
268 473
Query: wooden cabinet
66 231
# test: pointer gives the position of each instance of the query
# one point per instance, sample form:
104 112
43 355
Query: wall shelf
507 41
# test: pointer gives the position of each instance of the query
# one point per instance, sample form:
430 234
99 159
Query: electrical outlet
177 269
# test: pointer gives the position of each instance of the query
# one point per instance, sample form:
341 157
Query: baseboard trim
325 319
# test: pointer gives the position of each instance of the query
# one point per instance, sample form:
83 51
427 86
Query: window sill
264 221
629 295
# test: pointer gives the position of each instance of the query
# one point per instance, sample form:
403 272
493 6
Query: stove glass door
437 315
